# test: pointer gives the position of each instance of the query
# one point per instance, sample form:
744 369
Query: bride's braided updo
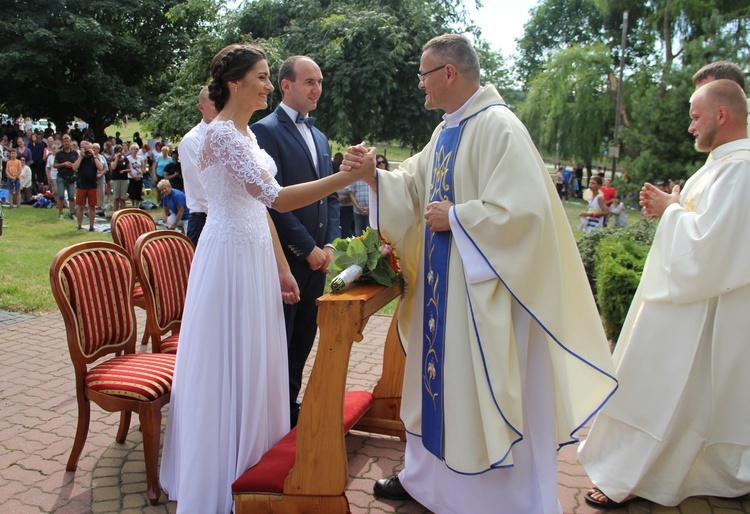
229 65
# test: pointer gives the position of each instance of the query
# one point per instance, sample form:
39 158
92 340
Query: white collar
290 112
454 119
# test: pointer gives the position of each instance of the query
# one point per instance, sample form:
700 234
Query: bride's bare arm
289 287
299 195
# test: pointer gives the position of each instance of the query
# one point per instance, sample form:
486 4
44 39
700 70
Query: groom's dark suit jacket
301 230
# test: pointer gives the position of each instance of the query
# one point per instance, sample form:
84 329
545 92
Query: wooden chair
127 225
92 283
162 260
306 472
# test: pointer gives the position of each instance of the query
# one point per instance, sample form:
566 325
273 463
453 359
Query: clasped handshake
361 159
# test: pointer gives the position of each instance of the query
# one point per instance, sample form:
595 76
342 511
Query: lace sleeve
224 145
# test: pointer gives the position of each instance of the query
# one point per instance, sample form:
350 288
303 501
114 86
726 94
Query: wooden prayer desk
306 472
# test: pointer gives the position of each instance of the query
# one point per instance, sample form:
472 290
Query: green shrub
641 233
618 272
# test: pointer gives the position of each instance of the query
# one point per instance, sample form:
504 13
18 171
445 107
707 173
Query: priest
506 355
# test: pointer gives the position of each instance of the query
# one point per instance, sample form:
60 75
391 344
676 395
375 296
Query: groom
302 154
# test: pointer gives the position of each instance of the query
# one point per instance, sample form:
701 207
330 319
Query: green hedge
614 259
618 271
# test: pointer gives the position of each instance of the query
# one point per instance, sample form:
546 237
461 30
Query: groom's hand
318 259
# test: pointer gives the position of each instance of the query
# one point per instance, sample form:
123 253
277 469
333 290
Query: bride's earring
235 88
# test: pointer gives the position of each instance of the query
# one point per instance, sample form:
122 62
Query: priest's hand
655 201
436 216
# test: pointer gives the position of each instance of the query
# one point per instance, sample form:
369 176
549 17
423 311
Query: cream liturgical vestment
512 290
679 425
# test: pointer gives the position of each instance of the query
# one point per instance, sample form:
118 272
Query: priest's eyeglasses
421 75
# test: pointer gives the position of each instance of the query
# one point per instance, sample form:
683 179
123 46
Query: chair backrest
129 224
163 259
92 283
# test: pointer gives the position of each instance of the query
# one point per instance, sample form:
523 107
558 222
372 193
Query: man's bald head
719 114
206 106
727 93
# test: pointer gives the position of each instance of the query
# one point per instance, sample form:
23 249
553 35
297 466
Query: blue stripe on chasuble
437 252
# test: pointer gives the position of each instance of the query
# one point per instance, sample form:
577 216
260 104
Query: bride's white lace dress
229 400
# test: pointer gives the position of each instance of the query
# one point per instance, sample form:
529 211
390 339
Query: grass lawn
126 133
31 238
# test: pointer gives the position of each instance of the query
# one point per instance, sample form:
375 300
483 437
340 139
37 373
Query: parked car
42 125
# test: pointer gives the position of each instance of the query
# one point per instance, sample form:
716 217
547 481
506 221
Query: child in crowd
13 172
617 209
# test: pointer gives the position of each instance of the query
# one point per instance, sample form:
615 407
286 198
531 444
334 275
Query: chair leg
84 417
144 341
122 432
150 416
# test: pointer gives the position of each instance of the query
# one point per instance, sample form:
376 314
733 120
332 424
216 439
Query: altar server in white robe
506 356
678 424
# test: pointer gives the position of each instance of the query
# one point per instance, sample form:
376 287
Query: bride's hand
366 169
354 156
289 288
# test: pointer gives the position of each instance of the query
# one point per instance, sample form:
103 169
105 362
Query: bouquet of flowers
367 257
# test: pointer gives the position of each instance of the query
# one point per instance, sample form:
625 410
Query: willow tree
569 110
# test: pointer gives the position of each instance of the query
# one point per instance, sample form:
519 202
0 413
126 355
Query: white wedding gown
230 396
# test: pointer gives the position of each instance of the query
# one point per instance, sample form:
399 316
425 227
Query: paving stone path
38 422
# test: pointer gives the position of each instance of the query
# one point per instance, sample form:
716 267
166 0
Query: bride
229 400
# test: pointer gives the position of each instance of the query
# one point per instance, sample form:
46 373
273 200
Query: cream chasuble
507 209
678 424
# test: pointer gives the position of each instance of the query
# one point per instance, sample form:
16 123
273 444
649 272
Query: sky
502 22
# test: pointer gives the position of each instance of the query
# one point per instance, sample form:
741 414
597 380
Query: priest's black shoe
391 489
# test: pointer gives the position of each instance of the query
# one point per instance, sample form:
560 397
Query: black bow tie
307 120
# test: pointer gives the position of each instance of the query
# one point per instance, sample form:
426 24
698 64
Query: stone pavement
38 422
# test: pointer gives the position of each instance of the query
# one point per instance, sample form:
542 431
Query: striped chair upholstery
163 259
92 283
127 225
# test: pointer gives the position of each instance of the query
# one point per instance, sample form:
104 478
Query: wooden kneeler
306 472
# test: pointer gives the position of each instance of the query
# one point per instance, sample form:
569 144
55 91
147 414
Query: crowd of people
69 167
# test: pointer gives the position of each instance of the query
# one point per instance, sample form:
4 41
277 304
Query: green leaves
364 253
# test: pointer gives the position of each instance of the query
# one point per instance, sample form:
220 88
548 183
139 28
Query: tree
570 108
368 53
96 60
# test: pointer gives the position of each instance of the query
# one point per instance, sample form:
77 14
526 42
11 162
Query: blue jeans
361 222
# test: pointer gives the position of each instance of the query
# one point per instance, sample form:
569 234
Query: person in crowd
497 376
617 209
229 401
137 139
302 154
23 151
346 210
26 181
194 192
89 169
360 197
51 170
101 178
173 172
135 177
13 174
66 175
677 425
36 148
161 160
120 168
593 217
176 214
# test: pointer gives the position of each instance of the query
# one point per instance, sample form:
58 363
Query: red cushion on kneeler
137 376
138 293
268 475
